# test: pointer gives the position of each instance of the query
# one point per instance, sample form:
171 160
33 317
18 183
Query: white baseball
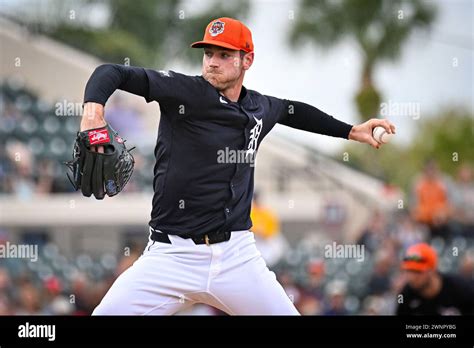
381 135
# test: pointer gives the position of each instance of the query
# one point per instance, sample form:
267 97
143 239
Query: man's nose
213 62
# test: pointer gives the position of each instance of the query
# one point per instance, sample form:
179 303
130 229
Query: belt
210 238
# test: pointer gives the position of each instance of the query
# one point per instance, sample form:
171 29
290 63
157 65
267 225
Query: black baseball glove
100 173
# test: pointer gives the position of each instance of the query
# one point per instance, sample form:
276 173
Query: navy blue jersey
206 146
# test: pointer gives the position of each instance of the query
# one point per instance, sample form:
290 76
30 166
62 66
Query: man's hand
363 132
93 117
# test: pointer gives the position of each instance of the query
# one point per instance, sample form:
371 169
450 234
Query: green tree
446 137
141 32
378 27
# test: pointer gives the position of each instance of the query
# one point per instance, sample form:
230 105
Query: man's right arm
107 78
169 88
104 81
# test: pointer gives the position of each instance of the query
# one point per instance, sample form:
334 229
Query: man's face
419 280
222 67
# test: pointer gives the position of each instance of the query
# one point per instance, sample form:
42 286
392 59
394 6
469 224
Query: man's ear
247 61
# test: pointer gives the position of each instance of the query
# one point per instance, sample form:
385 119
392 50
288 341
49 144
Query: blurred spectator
45 176
336 294
432 206
4 280
53 287
10 118
309 305
132 254
316 278
6 167
374 234
60 305
429 292
6 292
98 291
374 305
407 232
312 293
380 280
466 267
127 121
266 227
22 159
287 282
29 300
54 302
464 200
80 291
5 305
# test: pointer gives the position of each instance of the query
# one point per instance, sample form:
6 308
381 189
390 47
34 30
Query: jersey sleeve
309 118
278 108
171 88
107 78
164 87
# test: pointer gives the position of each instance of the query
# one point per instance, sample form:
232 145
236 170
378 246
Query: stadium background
312 190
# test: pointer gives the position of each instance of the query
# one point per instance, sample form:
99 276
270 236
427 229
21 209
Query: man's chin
213 82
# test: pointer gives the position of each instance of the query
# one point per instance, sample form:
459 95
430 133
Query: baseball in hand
381 135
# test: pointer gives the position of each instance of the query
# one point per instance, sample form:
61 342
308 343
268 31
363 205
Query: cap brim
415 266
201 44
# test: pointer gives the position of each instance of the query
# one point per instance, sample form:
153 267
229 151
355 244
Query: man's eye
225 55
208 54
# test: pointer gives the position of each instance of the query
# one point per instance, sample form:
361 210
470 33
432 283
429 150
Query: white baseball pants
231 276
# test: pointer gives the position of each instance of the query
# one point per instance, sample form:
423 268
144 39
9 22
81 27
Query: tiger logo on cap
216 28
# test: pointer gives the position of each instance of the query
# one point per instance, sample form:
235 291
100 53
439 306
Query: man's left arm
306 117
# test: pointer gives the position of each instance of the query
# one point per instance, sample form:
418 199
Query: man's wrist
93 116
352 133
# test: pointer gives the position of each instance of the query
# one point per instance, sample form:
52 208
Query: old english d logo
254 134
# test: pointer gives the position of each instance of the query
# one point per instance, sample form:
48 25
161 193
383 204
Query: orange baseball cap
228 33
420 257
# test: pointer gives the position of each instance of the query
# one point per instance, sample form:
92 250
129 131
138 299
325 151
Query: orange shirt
432 201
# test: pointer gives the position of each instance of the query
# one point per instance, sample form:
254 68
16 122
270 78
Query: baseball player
200 249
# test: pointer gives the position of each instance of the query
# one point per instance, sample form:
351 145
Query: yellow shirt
265 223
